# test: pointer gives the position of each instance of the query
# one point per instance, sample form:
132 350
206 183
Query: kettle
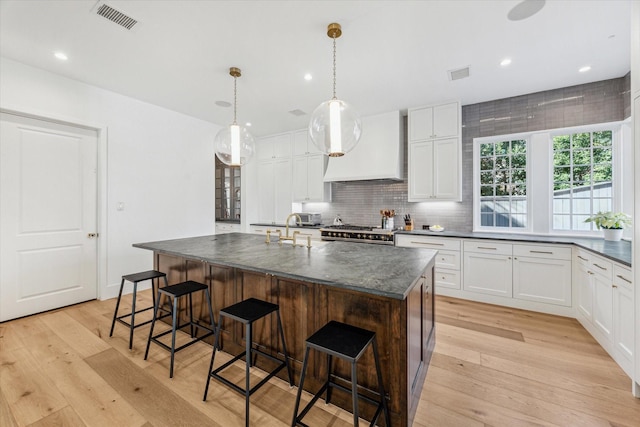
337 220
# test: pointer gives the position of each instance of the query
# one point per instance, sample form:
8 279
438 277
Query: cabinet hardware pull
486 247
584 259
600 267
614 286
428 243
624 278
542 252
590 272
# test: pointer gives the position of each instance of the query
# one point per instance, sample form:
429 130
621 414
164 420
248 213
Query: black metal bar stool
175 292
349 343
247 312
135 279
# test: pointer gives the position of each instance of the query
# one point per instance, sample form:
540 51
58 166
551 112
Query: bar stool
349 343
175 292
135 279
247 312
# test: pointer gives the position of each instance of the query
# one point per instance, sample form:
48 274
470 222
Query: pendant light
234 145
335 127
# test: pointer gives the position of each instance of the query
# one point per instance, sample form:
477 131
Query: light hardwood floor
492 366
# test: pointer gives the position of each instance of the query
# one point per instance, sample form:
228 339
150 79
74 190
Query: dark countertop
376 269
616 251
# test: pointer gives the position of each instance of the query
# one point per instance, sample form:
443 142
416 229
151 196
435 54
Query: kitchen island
384 289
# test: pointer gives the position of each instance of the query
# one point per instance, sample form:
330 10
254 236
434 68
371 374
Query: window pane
582 173
561 206
581 157
486 220
581 206
602 173
518 147
486 163
562 173
579 224
502 148
519 176
502 162
486 190
581 140
518 221
602 139
519 161
562 222
602 205
486 207
562 158
561 142
486 150
486 177
602 155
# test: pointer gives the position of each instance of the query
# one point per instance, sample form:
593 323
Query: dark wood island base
405 328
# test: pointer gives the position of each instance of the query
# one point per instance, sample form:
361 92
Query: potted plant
612 223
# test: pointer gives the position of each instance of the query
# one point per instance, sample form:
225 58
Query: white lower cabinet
447 271
605 304
225 227
314 233
487 268
623 317
542 274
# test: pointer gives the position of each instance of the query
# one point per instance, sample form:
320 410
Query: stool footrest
274 372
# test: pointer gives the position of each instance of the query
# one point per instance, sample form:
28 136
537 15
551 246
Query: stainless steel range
356 233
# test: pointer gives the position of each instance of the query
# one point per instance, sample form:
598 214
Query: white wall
159 163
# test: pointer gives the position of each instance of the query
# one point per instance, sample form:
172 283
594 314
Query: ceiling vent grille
297 112
116 16
458 74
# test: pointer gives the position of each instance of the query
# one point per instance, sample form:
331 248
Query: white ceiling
392 54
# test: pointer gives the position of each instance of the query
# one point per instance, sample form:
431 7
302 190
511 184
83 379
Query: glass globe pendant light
335 127
234 145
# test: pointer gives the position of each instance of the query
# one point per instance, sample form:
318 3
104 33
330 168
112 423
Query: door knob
92 235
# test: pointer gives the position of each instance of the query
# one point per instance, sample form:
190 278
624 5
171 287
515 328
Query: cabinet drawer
412 241
487 247
582 258
555 252
447 279
621 276
448 259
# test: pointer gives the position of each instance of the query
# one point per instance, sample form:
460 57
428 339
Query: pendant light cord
334 68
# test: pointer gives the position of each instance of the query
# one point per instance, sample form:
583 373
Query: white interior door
48 198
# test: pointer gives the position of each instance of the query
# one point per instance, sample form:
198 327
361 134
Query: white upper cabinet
434 158
274 147
309 166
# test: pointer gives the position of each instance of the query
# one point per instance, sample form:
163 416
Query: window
227 192
549 182
503 184
582 178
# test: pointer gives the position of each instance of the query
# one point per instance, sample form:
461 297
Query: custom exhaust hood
378 155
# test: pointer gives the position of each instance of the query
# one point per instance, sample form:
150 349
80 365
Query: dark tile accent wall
359 202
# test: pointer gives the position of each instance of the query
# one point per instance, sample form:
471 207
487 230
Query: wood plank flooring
492 366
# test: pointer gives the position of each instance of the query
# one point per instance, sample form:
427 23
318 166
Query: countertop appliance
357 233
310 218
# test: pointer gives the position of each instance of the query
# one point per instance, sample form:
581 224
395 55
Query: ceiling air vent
116 16
297 112
458 74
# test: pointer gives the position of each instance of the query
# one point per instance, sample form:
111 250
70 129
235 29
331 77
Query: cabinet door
317 189
585 291
420 171
446 169
446 120
623 315
487 274
420 124
282 187
266 192
603 308
282 146
542 280
300 143
264 148
299 179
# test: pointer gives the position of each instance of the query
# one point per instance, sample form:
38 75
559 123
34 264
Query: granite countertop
376 269
616 251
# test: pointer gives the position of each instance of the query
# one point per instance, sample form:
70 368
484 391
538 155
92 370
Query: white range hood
378 155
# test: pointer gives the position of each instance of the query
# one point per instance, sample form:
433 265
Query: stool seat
249 310
183 288
135 278
342 340
145 275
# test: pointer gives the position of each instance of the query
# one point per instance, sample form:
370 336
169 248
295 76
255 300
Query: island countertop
376 269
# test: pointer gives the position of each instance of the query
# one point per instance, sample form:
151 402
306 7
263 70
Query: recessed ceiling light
61 56
248 124
223 104
584 69
505 62
308 77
